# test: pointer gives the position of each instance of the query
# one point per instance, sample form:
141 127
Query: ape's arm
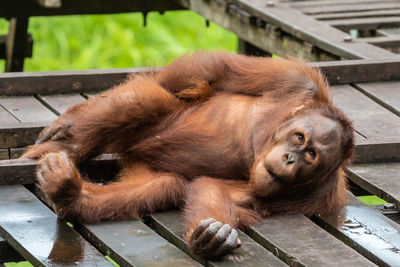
214 210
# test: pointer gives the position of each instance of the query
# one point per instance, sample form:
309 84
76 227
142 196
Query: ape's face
302 150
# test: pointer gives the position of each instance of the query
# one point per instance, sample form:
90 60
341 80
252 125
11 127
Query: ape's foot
60 180
212 239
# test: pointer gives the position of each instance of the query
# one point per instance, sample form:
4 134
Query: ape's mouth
274 177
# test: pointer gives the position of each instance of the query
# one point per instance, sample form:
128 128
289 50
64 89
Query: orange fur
200 148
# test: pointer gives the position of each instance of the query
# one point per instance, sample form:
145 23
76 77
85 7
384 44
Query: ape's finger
230 243
219 237
200 228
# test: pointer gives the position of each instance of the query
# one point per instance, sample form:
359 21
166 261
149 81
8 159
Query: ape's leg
214 210
140 191
109 122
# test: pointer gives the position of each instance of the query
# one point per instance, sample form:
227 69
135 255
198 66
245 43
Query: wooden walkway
365 87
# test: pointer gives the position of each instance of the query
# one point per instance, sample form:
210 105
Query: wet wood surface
34 231
132 243
297 240
250 253
365 230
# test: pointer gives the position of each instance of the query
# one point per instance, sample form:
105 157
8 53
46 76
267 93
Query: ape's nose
289 158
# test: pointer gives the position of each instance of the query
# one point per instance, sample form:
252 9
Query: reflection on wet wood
34 231
366 230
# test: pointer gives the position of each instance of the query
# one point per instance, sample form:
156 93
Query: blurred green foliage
117 41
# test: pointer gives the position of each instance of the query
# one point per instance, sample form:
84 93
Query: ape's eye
311 153
300 138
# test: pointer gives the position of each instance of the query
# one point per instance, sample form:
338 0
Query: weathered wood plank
299 241
363 14
386 94
132 243
7 253
321 9
22 171
85 81
392 42
4 153
6 117
22 134
30 8
352 71
365 23
104 167
27 109
17 152
60 103
17 39
59 82
249 253
310 30
365 230
302 4
370 119
35 232
381 179
3 48
377 150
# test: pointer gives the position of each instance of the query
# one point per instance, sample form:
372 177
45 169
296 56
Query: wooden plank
249 253
362 14
321 9
4 154
390 31
352 71
370 119
56 82
35 232
27 109
365 230
3 49
60 103
104 167
381 179
392 42
17 39
7 253
304 243
22 171
17 135
377 150
6 117
301 4
59 82
132 243
16 152
386 94
49 3
365 23
30 8
292 22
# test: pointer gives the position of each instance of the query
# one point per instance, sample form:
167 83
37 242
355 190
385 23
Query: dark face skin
302 150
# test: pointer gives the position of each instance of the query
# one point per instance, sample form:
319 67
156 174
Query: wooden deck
366 86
